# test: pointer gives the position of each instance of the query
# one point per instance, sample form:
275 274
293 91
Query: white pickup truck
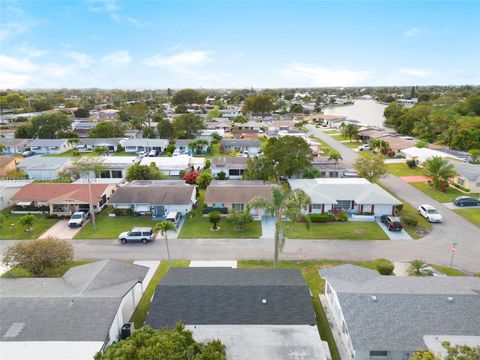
78 218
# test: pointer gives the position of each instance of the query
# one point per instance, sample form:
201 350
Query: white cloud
178 61
8 63
117 58
14 28
31 52
13 81
415 72
411 32
112 8
14 72
320 76
82 60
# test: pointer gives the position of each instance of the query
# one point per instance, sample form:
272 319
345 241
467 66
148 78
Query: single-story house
329 120
136 145
259 314
232 167
8 188
89 144
368 134
397 143
106 114
245 134
391 317
225 125
420 155
210 132
172 166
281 125
15 146
8 164
236 194
64 199
468 175
155 197
353 195
50 146
81 128
253 147
44 168
112 167
71 317
133 134
250 125
183 145
331 169
7 133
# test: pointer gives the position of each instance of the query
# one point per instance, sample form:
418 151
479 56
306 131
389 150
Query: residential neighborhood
260 180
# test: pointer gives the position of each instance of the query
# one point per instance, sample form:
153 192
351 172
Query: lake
367 112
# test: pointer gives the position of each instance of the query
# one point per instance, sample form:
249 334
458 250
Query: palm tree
379 145
2 148
350 131
439 170
27 221
285 203
418 267
164 227
335 156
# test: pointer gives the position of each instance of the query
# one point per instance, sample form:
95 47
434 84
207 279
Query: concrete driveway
173 234
394 235
61 230
268 227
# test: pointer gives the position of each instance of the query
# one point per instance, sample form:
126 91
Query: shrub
399 207
409 219
384 266
443 186
221 175
460 187
411 164
208 210
123 212
191 177
321 218
214 218
342 216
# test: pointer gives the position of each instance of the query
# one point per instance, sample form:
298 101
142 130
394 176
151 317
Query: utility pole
453 250
92 212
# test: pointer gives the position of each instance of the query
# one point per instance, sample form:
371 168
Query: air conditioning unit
127 330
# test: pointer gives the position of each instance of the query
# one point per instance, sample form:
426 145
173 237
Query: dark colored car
393 223
466 201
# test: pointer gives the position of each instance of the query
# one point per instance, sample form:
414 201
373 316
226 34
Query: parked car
28 153
153 153
176 152
466 201
78 218
142 153
137 234
174 217
393 223
364 147
430 213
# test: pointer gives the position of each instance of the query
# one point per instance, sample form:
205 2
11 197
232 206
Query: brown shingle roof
154 195
59 192
236 192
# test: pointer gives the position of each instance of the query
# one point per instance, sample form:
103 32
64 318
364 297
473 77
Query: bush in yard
39 255
208 210
214 218
27 221
168 343
409 219
204 179
412 164
239 219
321 218
384 266
463 188
221 175
342 216
191 177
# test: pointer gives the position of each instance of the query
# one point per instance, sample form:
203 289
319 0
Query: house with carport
253 147
14 146
232 167
45 168
355 196
174 165
137 145
50 146
467 175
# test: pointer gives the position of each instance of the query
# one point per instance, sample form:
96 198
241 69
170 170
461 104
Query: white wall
34 174
5 196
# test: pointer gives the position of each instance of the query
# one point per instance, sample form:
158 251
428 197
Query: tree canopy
188 97
45 126
144 172
259 104
187 126
107 129
371 168
287 155
164 344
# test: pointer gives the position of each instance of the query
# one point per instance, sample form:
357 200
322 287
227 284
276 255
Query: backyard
350 230
11 230
110 227
402 169
443 197
472 215
199 227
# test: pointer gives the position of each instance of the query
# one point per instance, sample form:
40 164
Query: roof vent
450 299
264 301
374 298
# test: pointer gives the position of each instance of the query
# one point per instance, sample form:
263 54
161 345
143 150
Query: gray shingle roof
470 171
101 141
80 306
154 195
405 309
48 142
236 192
240 142
209 296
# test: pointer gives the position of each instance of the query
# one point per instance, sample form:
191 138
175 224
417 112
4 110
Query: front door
159 210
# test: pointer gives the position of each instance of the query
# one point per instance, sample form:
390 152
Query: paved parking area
173 234
61 230
394 235
268 227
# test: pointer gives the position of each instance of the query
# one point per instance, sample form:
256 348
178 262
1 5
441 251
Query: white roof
423 154
145 142
180 162
329 190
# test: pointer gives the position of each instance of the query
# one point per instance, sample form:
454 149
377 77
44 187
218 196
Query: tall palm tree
335 156
418 267
379 145
287 204
164 227
439 170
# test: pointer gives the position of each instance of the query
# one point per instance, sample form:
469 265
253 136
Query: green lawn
403 170
69 153
354 144
53 272
199 227
448 271
325 147
350 230
110 227
445 197
143 306
423 224
10 230
472 215
309 270
123 153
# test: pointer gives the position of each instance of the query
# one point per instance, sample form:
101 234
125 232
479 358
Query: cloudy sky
160 44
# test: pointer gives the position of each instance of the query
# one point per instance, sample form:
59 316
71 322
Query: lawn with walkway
18 272
472 215
11 230
402 169
443 197
350 230
108 227
200 227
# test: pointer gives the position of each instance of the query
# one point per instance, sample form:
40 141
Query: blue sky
160 44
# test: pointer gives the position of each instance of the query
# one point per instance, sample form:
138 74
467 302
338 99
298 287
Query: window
238 207
379 353
460 181
234 172
117 174
317 206
105 174
343 204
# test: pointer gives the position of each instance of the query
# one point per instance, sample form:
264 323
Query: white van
174 217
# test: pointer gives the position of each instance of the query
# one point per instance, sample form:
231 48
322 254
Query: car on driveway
466 201
364 147
430 213
393 223
137 234
78 218
174 217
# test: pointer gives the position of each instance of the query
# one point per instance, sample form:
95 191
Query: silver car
138 234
